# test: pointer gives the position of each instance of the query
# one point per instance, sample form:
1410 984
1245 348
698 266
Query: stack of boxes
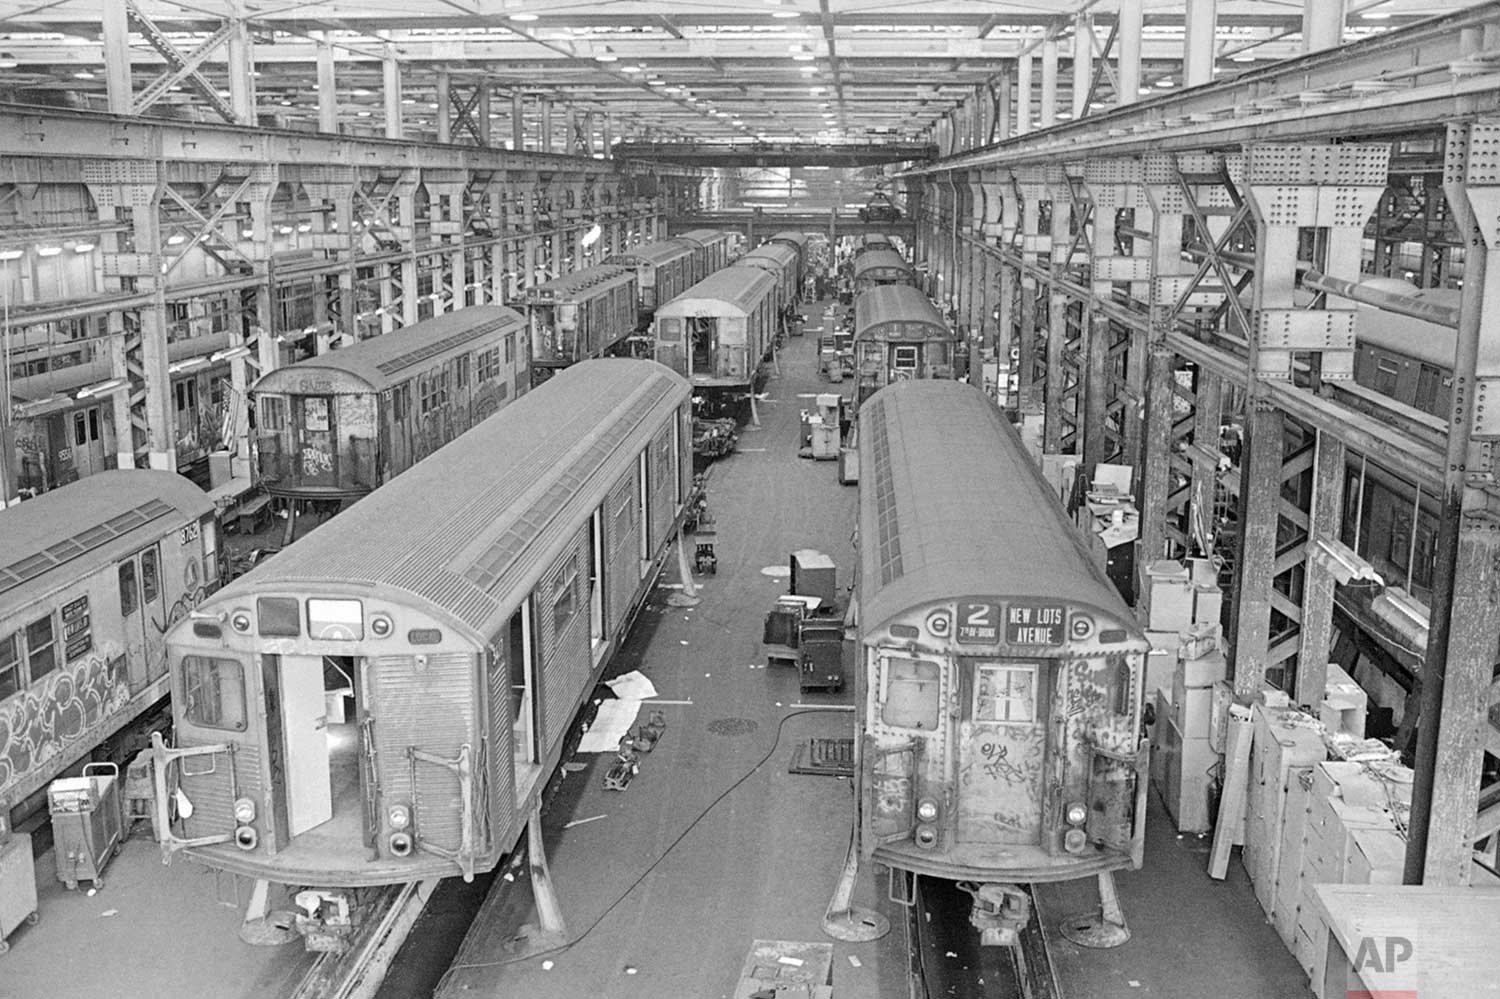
1187 652
1312 821
1349 836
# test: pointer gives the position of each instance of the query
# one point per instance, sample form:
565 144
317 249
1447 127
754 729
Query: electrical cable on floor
663 855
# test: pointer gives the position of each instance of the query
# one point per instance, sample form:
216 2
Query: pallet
824 758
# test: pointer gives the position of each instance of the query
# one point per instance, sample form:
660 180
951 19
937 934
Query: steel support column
1318 580
1464 630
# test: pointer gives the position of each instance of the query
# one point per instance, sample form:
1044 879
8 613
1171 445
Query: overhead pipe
1412 305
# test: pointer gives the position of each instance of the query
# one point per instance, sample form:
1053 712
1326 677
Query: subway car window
912 693
41 648
10 665
150 578
129 598
1005 692
215 692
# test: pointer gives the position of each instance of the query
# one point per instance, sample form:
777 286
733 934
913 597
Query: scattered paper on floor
633 684
612 721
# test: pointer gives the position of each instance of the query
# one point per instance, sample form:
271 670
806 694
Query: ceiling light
1242 57
362 114
11 254
48 251
1144 90
809 70
1165 81
523 16
8 64
1375 15
633 69
176 239
605 55
83 247
801 56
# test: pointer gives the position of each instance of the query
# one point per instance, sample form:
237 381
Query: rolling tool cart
17 881
88 821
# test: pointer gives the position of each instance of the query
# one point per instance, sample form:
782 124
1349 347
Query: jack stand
553 930
261 927
847 922
1105 928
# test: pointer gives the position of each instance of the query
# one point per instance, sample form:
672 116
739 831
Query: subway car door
299 752
1002 751
88 441
315 437
143 617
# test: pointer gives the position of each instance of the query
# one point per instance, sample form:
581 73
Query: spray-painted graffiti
48 721
28 444
316 461
179 609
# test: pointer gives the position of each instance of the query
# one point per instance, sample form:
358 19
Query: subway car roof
483 517
951 505
868 260
895 302
738 288
378 362
1435 344
659 252
579 281
54 539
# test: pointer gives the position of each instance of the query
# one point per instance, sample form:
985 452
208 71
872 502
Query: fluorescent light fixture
1345 564
11 254
48 251
304 227
229 353
101 388
605 55
592 236
40 407
1242 57
186 364
83 74
8 64
633 69
83 247
523 16
1165 81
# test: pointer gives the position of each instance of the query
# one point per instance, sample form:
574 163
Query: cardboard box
1200 639
1170 598
1189 767
1202 572
1208 603
1288 891
1344 703
1160 666
1374 857
1166 641
1204 671
1192 708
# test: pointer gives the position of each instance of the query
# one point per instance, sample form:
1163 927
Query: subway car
588 313
93 575
717 333
713 249
999 674
899 335
873 268
663 270
60 437
337 426
384 700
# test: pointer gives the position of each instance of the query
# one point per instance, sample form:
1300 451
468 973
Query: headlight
240 621
244 811
1074 840
381 626
927 810
1077 813
399 816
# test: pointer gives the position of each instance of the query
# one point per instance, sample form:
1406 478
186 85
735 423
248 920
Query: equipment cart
88 822
17 882
820 646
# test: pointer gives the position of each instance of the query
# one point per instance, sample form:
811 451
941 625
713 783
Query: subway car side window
129 597
215 692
